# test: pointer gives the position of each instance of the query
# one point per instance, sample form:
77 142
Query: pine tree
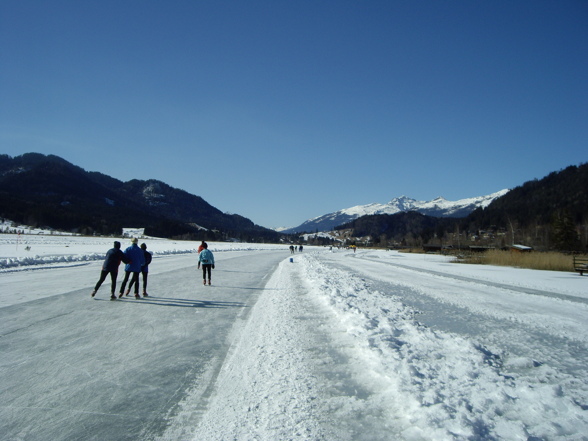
565 236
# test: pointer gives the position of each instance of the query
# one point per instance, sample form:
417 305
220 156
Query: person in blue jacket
145 268
206 258
114 257
136 259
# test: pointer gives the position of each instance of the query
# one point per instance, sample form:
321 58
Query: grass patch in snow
549 261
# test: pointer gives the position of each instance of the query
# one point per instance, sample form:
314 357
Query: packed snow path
371 345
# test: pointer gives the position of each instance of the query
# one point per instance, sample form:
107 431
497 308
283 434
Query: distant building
133 232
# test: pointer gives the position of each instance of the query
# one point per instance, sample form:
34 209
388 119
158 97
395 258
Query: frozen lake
371 345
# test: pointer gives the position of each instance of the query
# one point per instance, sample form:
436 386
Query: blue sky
281 111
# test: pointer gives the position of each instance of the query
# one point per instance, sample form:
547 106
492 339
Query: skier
145 268
114 257
206 258
136 261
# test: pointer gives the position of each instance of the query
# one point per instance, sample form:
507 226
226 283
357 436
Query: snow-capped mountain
438 207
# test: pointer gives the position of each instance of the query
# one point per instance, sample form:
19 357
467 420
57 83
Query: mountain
49 192
438 207
536 202
545 214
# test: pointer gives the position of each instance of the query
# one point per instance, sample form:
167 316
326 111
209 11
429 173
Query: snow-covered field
27 251
372 345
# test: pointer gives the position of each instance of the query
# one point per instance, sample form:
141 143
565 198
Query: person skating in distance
206 259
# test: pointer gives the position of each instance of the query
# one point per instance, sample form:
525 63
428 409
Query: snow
336 345
438 207
404 203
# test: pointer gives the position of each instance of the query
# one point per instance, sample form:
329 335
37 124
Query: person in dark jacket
136 259
145 268
114 257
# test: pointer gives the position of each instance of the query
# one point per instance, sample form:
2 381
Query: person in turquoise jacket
136 261
206 258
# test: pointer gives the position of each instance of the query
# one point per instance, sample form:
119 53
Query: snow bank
27 250
448 387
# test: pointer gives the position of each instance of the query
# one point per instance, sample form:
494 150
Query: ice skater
145 268
114 257
136 260
206 258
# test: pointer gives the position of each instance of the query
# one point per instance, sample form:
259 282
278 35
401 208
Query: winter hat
134 240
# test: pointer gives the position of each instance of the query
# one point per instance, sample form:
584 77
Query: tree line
546 214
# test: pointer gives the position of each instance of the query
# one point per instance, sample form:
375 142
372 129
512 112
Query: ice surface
372 345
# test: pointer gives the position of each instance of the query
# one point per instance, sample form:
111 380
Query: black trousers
145 273
113 276
134 281
206 268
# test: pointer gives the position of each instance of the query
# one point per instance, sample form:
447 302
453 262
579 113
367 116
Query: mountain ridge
438 207
48 191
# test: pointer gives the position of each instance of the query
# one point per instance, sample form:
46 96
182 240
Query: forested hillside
49 192
547 214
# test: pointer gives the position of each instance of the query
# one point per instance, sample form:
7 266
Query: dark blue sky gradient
283 111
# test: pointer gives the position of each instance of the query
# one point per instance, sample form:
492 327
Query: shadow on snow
180 303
